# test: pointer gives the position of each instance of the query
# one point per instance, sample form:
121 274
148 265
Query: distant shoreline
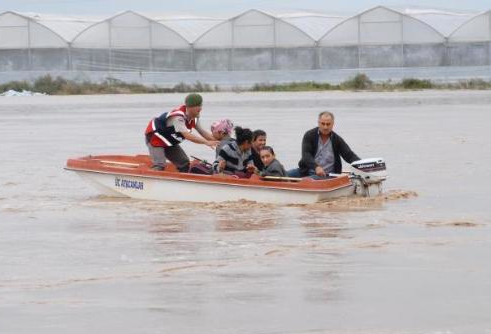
360 82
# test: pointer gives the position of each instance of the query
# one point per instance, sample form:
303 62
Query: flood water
413 261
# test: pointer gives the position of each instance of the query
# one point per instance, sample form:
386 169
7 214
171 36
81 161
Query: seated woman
221 130
235 157
272 167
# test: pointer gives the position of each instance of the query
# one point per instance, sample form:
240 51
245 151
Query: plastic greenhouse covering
470 44
250 41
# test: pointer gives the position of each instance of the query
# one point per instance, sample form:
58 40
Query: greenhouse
470 44
254 40
130 42
32 42
380 37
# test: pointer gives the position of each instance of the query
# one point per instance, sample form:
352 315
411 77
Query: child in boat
272 167
258 142
235 156
221 131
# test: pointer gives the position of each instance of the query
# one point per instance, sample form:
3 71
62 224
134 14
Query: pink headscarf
224 126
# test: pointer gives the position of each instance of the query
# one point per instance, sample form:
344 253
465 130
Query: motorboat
132 176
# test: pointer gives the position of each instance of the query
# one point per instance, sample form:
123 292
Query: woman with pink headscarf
221 131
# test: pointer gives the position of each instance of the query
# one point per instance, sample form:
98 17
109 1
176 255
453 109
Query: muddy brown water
415 260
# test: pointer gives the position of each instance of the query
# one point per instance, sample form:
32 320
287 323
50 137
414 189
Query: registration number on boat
128 184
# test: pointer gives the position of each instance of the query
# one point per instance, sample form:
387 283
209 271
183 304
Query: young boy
258 142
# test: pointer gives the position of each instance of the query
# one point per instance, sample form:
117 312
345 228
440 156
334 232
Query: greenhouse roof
444 21
249 29
65 26
476 29
130 30
254 28
314 24
21 31
381 25
190 27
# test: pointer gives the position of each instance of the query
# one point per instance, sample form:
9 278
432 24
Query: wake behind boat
131 176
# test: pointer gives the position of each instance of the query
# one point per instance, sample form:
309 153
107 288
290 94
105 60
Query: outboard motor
368 175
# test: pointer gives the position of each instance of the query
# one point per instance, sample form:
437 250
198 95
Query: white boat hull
175 190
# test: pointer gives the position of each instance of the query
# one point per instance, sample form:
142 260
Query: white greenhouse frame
272 45
358 27
470 44
149 48
21 34
254 40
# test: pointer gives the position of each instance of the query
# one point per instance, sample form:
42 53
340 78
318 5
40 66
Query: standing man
164 134
322 150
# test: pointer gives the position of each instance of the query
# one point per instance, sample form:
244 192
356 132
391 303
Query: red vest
160 135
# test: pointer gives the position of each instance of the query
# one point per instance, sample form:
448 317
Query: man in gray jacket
322 150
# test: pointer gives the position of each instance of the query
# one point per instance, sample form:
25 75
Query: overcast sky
219 7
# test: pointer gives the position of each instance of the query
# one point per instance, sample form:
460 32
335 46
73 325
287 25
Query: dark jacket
310 142
257 160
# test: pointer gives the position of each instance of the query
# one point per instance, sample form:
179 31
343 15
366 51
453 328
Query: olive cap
193 100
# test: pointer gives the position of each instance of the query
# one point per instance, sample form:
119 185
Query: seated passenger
221 131
258 142
272 167
235 157
322 150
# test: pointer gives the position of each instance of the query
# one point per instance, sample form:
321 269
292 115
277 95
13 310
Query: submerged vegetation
360 82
